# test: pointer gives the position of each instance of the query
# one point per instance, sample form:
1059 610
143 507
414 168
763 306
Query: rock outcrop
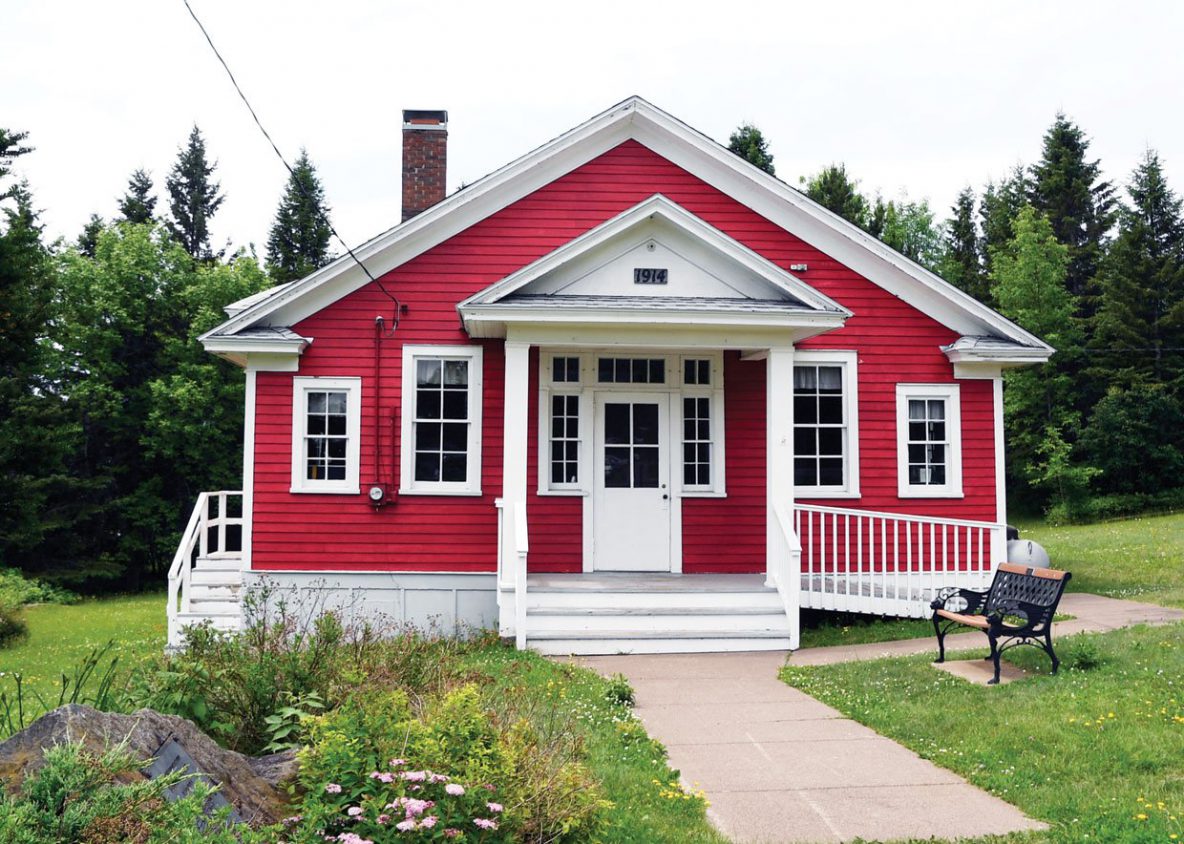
251 785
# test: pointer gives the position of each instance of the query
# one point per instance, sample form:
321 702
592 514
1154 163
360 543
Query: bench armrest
975 599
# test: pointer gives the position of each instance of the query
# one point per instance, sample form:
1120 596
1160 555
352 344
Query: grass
1140 559
1094 751
649 804
61 636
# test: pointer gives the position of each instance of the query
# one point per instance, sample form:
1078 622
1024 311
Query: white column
999 537
514 444
779 481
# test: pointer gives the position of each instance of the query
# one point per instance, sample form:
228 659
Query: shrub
373 755
12 626
618 691
1081 653
1100 508
18 589
77 797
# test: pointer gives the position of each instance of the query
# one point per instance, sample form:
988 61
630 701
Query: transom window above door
631 370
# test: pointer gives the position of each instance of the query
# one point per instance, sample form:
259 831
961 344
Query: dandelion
485 823
455 789
1141 817
332 788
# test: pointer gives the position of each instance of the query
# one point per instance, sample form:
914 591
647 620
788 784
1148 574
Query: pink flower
382 819
437 777
429 821
294 819
333 788
454 789
414 776
352 838
382 776
414 808
406 826
451 832
354 811
485 823
495 807
398 763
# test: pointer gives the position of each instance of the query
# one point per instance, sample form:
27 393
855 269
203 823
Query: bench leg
941 640
994 657
1056 663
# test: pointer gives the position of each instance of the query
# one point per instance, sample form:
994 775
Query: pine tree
138 205
833 189
299 238
748 143
961 261
1067 189
1041 422
193 197
88 240
1141 284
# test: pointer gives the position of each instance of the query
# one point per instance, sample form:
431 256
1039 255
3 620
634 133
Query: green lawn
1141 559
1095 751
61 636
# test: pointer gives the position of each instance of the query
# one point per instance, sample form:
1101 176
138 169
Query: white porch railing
213 532
890 563
511 573
785 568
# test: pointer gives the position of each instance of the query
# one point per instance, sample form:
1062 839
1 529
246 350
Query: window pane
427 404
830 410
689 475
605 370
916 409
937 474
936 453
624 370
428 373
616 467
316 447
645 424
830 441
316 425
937 409
917 475
657 371
456 437
336 471
336 426
427 466
937 432
916 453
641 372
616 423
573 405
705 430
689 429
645 468
830 379
688 453
456 404
337 448
427 436
456 373
316 402
805 441
805 378
830 472
916 431
335 403
455 467
805 472
805 410
572 450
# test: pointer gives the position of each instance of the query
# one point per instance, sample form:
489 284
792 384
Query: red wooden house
627 393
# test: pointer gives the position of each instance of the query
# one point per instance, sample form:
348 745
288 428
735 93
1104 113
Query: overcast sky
923 97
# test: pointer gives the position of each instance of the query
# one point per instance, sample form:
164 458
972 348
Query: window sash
326 431
440 444
564 441
821 425
697 442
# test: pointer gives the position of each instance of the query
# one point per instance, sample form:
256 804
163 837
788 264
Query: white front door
631 483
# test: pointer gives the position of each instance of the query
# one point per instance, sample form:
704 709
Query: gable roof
637 119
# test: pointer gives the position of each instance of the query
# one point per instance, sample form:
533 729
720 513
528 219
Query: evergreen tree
1041 422
1067 189
833 189
961 261
89 238
1001 204
1141 285
138 205
193 197
748 143
299 238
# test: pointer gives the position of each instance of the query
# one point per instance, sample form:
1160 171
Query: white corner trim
248 465
472 483
951 394
1000 452
849 360
637 119
353 430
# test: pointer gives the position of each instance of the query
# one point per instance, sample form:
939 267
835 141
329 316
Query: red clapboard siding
425 533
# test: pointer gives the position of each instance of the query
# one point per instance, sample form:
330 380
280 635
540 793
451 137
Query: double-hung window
326 423
563 422
701 401
825 423
928 441
441 432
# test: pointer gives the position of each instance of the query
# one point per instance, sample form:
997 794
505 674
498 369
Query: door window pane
632 448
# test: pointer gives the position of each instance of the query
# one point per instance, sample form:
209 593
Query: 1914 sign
649 275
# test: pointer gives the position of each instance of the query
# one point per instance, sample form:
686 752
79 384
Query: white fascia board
682 220
702 157
1007 358
474 315
239 350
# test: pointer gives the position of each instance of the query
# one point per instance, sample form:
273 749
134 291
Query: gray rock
250 785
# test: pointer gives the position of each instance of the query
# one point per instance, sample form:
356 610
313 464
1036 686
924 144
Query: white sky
923 97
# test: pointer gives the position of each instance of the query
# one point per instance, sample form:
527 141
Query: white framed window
326 434
929 441
564 424
700 411
826 423
440 445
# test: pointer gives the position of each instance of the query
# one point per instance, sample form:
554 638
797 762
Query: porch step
233 563
557 643
219 620
213 606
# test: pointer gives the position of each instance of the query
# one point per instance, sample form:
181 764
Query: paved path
779 766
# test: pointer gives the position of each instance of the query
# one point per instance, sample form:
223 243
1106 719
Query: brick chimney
425 160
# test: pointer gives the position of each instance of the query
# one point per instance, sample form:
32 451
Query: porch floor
646 582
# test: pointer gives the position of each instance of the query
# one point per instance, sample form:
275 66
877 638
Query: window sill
563 493
466 493
702 493
926 493
299 490
812 493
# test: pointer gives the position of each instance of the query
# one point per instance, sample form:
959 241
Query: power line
284 161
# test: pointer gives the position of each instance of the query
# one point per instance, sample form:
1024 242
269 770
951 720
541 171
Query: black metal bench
1018 609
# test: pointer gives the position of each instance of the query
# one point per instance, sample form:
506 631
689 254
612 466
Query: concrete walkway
779 766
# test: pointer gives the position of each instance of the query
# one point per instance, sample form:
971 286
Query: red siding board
896 343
